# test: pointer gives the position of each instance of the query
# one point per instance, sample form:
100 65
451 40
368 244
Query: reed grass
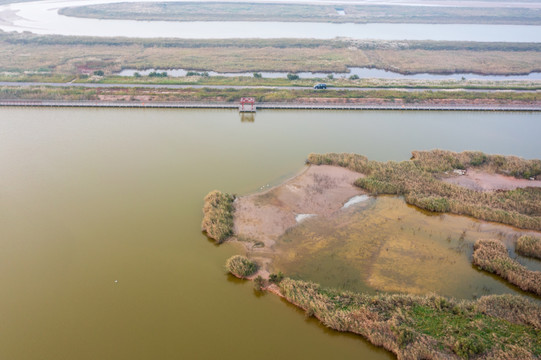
529 246
73 55
218 215
241 266
417 180
492 256
427 327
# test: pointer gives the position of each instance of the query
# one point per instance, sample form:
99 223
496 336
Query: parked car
320 86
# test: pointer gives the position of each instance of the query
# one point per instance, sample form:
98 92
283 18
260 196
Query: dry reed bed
427 327
492 256
72 55
218 215
529 246
417 181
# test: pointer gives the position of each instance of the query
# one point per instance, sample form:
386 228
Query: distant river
41 17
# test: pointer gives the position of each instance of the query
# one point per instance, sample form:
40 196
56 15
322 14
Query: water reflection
247 117
384 244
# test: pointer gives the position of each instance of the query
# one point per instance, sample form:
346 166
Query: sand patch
317 191
482 181
8 16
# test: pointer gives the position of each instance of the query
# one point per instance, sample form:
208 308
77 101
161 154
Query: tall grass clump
241 266
418 181
429 326
529 246
492 256
218 215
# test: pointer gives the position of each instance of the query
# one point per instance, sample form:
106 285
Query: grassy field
417 180
492 256
340 13
427 327
67 55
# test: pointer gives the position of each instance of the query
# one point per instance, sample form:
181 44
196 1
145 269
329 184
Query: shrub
240 266
276 278
469 346
430 203
529 246
218 215
258 75
354 77
259 283
99 73
157 74
292 76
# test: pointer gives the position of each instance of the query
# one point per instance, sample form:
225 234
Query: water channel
101 253
360 72
41 17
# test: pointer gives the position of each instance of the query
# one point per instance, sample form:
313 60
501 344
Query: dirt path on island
482 181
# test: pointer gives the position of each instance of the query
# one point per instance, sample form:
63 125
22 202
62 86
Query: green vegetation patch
218 215
418 181
241 266
427 327
492 256
529 246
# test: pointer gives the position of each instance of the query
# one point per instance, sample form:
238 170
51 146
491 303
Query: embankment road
260 106
190 86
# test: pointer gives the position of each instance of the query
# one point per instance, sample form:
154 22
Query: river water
359 71
101 253
41 17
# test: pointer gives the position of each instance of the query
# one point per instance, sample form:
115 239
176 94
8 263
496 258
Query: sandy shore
481 181
317 191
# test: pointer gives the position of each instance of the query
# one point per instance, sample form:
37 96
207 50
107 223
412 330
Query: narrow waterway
101 252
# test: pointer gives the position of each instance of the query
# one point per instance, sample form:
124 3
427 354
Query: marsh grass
241 266
73 54
529 246
427 327
218 215
417 180
492 256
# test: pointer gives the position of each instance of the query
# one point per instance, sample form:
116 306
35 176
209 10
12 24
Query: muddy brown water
93 196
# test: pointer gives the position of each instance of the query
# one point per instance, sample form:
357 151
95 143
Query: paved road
173 86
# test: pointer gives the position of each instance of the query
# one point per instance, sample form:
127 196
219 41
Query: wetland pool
90 196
